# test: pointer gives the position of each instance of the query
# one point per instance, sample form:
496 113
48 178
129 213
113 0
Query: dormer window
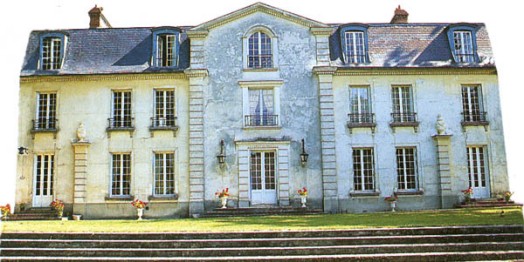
463 43
165 48
355 44
51 51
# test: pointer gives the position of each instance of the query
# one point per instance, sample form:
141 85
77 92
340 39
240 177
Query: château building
263 102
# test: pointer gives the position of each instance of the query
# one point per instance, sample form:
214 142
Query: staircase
490 202
261 211
408 244
43 213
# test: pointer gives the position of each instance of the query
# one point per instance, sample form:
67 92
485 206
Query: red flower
137 203
223 193
303 191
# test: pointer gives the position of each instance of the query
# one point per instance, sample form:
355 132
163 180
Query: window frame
63 42
457 57
156 61
402 109
50 121
403 172
360 172
172 190
480 164
122 175
355 28
274 48
246 112
127 122
169 121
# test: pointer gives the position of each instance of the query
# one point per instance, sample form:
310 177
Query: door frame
264 196
39 200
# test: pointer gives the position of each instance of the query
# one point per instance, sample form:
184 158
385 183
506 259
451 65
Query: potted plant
507 196
58 206
467 195
139 205
303 196
392 200
223 195
5 211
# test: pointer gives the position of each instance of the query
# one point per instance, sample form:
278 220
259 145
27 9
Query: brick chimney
400 17
94 17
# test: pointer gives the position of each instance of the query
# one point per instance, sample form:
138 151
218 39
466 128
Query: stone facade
307 91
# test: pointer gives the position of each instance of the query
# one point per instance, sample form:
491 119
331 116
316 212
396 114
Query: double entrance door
43 180
263 177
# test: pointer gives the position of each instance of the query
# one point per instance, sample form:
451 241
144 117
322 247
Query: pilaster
443 143
322 44
80 151
327 138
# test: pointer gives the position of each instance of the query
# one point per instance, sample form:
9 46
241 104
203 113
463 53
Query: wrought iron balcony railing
474 117
260 120
404 117
121 123
45 125
163 123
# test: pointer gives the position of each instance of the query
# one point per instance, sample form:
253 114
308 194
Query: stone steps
490 202
34 214
406 244
260 211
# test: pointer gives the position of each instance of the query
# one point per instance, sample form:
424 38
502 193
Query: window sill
169 198
53 131
270 69
364 194
262 127
153 129
418 192
413 124
119 198
109 130
464 124
361 125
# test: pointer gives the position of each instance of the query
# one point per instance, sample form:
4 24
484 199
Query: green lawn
455 217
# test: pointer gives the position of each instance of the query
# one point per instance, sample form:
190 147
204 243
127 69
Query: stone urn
140 213
393 205
81 133
303 200
223 201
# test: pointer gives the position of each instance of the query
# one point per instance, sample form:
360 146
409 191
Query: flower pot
140 213
77 217
223 202
60 213
393 205
303 200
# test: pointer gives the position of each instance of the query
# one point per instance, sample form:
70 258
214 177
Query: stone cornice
197 34
321 31
324 70
263 8
196 72
414 71
102 77
260 83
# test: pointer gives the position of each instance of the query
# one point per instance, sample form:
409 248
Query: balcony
474 119
363 120
404 120
261 120
46 125
163 124
118 124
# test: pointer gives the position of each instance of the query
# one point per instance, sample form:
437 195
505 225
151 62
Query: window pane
164 174
260 51
363 169
406 169
121 175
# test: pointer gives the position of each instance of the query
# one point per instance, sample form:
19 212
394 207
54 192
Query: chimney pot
94 17
400 17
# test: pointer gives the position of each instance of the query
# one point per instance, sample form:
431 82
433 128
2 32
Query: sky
18 18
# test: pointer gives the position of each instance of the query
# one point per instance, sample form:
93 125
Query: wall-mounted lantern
303 156
23 150
222 156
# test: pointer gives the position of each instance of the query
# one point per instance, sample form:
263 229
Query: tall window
476 166
403 104
472 104
363 169
164 173
259 51
355 48
120 174
51 56
44 172
406 168
165 50
463 46
360 104
262 168
164 108
121 110
261 108
45 112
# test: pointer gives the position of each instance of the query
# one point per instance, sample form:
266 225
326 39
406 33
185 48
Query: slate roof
103 51
412 45
129 50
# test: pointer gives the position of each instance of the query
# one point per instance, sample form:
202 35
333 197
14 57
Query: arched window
260 54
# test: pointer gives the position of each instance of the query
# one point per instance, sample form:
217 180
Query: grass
455 217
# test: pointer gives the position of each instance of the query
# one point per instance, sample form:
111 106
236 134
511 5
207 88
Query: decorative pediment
262 8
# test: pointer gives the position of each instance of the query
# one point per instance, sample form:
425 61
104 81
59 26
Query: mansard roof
412 45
